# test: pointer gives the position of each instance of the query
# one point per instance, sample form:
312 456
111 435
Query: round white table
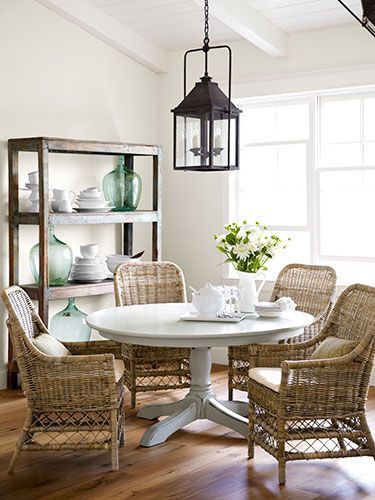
159 325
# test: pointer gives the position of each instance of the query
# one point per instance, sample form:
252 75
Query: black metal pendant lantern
206 122
368 17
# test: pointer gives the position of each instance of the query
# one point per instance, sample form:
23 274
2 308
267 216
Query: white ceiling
176 24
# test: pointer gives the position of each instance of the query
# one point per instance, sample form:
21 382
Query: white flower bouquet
248 247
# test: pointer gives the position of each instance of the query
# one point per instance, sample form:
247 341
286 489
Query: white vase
248 289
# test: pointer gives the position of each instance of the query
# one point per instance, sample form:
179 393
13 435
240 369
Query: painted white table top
159 325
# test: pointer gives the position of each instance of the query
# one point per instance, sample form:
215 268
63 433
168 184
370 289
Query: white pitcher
248 289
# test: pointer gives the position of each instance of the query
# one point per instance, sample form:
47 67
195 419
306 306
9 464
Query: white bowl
208 305
89 251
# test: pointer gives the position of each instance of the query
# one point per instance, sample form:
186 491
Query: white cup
34 177
89 251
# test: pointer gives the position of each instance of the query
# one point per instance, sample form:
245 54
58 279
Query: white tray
195 317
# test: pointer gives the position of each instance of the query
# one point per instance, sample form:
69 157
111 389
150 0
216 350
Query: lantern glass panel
192 136
220 142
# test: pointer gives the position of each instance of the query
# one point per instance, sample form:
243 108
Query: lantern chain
206 39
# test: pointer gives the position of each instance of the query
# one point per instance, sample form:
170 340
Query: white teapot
208 300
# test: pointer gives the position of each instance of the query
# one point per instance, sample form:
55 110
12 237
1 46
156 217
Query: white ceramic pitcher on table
248 289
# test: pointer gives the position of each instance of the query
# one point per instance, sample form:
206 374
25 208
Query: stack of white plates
89 270
268 309
115 259
91 200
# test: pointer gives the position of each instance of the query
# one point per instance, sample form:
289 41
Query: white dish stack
92 200
90 268
275 309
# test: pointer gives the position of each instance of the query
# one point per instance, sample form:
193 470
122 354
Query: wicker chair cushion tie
119 369
50 345
269 377
333 347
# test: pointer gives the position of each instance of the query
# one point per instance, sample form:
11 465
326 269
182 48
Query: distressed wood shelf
43 146
89 217
71 289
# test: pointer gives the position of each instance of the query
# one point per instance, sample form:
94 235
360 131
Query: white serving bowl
113 263
89 251
208 305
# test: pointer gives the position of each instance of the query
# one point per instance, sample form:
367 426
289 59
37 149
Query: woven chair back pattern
311 287
148 283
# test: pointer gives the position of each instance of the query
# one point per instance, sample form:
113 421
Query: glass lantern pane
220 142
192 134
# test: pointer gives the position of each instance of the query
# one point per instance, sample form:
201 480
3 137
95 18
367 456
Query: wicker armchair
315 408
152 368
74 402
313 289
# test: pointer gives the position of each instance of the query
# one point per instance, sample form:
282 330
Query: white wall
193 202
57 80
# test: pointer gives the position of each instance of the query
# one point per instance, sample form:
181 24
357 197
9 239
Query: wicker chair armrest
322 386
74 382
272 355
95 347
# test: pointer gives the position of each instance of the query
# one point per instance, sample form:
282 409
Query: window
308 173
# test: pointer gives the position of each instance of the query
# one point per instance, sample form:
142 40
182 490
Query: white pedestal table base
198 404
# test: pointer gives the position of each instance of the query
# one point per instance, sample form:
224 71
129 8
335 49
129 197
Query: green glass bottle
69 325
122 187
60 260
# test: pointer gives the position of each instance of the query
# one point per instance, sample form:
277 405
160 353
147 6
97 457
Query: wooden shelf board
74 146
89 217
72 289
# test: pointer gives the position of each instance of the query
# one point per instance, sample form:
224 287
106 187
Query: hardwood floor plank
202 461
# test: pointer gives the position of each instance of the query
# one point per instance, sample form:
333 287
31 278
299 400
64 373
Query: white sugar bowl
207 300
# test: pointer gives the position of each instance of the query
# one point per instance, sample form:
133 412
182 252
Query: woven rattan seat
313 290
152 368
319 410
73 402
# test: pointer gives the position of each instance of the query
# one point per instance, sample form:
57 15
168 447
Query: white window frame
313 165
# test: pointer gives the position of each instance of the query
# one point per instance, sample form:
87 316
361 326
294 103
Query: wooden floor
203 461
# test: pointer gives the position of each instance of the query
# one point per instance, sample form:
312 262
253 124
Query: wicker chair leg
22 438
133 384
281 451
250 440
230 393
366 429
122 424
340 440
114 441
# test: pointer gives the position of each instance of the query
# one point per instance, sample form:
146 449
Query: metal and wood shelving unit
43 146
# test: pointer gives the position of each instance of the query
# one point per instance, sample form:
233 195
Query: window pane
258 124
369 119
369 153
342 154
273 183
293 121
298 250
347 205
341 121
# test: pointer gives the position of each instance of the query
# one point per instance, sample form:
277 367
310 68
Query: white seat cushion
49 345
119 369
270 377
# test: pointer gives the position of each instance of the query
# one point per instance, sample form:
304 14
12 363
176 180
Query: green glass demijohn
70 325
122 187
60 259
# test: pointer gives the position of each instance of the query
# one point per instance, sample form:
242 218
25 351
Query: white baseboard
219 355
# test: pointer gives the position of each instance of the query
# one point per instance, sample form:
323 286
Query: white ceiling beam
110 31
251 25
